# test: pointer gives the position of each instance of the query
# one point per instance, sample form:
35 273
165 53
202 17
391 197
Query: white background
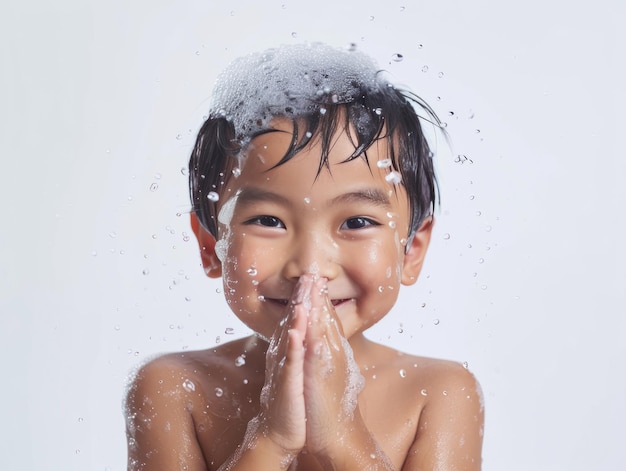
99 102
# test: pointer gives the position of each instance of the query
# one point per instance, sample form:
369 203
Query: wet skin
309 263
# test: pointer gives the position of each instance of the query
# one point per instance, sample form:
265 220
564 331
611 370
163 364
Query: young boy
312 188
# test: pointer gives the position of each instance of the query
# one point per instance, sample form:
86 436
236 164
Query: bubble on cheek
388 272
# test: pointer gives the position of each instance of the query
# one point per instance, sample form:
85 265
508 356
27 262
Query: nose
314 254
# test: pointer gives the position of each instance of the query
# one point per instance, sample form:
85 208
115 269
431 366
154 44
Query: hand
332 379
282 397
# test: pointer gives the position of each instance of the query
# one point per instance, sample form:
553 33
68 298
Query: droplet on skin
403 373
322 111
307 200
392 224
252 271
236 172
381 289
213 196
393 177
384 163
436 321
219 392
189 386
423 392
240 360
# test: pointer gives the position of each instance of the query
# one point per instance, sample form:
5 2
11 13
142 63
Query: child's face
349 225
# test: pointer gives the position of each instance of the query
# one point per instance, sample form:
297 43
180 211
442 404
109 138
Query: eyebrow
249 195
368 195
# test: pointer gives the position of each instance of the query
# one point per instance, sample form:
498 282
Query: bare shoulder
450 425
174 403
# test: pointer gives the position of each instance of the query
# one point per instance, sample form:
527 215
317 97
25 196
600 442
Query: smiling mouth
284 302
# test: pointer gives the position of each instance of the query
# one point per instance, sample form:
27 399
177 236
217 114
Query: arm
450 430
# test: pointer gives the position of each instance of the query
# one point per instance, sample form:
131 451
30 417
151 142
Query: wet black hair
375 113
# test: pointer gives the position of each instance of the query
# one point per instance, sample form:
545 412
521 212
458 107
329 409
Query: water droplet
478 213
189 386
80 419
77 451
446 236
436 321
397 57
218 339
381 289
425 69
112 235
465 365
372 18
472 197
252 271
402 8
245 381
477 131
308 134
420 46
154 187
378 111
213 196
392 224
385 163
236 172
229 331
445 393
117 327
481 260
294 35
488 228
440 75
240 360
219 392
146 271
322 111
423 392
307 200
393 177
178 137
483 287
403 373
261 298
423 304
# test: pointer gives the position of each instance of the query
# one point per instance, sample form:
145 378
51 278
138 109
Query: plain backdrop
99 104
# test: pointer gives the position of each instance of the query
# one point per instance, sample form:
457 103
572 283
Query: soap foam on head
290 81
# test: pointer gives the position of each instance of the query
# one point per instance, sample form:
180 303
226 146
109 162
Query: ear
206 241
416 252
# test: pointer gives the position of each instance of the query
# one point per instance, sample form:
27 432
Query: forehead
305 175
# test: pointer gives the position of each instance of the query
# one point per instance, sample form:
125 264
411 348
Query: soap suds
290 81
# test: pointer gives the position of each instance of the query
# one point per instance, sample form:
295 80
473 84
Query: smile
284 302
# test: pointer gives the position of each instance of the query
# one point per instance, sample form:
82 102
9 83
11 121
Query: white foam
225 216
255 88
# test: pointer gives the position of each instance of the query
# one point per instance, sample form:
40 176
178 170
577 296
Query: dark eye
358 223
267 221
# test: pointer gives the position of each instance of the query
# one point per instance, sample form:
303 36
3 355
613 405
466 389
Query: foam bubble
290 81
